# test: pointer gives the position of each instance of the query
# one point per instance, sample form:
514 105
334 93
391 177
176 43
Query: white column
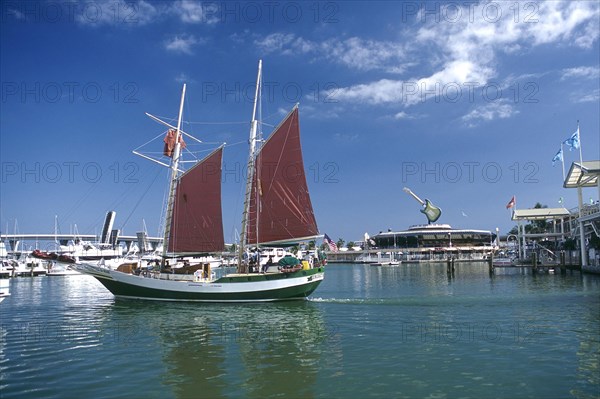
581 232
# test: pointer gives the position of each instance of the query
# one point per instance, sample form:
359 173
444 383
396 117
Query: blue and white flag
573 141
557 157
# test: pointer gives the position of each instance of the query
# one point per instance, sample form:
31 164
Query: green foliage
594 242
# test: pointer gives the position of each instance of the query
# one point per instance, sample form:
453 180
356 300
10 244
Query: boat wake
366 301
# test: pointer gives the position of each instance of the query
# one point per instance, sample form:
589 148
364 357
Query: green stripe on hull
254 277
288 293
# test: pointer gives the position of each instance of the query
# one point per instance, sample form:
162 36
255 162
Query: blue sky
465 103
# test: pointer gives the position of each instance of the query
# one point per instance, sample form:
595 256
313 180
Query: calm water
406 331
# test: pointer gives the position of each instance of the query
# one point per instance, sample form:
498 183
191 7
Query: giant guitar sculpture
432 212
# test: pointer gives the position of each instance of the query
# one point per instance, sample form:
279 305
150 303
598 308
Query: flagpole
562 159
579 138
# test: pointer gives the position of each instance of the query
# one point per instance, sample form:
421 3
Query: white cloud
561 20
586 97
584 72
195 12
354 52
283 43
403 115
322 112
181 44
464 52
366 55
183 78
274 42
132 13
380 92
489 112
18 14
346 137
123 13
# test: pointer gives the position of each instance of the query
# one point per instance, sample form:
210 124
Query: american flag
511 203
332 245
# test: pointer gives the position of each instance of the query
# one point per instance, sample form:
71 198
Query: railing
589 210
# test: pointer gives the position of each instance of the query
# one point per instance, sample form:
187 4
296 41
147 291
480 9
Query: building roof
583 174
540 213
435 232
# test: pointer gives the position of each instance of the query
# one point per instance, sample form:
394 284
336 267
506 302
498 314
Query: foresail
197 225
280 205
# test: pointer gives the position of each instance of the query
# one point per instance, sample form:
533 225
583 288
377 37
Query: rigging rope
140 199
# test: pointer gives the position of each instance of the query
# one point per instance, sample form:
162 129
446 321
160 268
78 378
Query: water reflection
406 331
214 350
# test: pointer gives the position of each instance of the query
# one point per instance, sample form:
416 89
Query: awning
583 174
540 213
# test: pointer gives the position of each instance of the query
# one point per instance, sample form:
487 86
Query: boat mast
242 268
173 182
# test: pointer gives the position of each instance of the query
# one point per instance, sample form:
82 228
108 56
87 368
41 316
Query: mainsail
197 225
280 207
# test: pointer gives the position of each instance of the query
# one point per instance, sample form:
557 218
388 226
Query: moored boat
4 288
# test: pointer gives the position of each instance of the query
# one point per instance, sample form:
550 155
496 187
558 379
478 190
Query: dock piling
450 266
563 263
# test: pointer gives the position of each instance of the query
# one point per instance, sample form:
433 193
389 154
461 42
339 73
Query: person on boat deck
253 262
269 263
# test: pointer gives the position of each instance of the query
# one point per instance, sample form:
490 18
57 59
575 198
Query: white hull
241 288
4 288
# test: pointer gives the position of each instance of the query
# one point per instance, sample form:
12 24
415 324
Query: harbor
300 200
407 323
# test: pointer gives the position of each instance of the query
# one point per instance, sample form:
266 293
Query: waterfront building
431 242
437 242
570 230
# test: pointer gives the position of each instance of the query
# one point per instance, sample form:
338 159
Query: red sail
279 188
197 226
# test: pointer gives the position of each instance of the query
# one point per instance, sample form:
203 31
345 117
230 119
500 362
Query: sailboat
277 211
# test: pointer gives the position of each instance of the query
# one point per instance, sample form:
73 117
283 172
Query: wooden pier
536 266
531 264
